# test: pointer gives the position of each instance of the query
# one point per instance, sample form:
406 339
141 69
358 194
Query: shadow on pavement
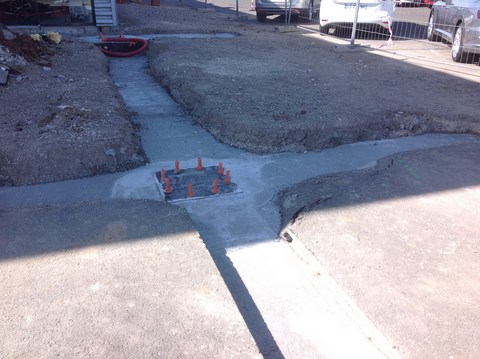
402 239
398 176
92 231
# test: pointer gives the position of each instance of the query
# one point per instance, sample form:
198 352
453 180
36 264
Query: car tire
458 54
261 17
431 35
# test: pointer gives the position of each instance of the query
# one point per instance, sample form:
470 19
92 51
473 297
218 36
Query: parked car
408 3
306 8
376 12
457 22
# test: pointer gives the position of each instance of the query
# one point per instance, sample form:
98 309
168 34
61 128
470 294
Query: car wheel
431 35
458 55
261 17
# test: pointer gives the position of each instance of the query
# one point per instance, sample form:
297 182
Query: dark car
457 22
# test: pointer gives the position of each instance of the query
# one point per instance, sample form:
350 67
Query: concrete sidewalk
403 240
113 279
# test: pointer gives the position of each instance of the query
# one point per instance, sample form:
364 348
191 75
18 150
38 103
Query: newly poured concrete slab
194 183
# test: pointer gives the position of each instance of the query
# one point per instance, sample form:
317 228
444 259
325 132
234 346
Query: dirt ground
61 115
269 91
263 90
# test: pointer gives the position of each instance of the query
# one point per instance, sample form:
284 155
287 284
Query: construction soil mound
62 116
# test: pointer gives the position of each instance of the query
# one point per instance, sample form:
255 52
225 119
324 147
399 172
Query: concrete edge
338 296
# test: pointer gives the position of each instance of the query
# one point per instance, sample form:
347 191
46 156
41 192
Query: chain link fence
446 32
441 31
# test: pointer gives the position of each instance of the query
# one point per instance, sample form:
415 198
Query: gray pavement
409 237
288 310
113 279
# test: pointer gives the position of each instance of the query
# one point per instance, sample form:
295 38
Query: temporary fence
448 31
420 25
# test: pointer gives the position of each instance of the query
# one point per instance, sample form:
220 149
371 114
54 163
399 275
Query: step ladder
105 13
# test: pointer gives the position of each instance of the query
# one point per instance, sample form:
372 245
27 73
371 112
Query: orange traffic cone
177 166
220 168
215 186
199 165
168 188
190 191
227 177
163 176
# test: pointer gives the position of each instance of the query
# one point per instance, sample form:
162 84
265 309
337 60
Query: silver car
457 22
304 8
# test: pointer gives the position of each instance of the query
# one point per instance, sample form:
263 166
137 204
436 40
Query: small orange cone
227 177
163 176
215 186
177 166
220 168
199 166
190 190
168 188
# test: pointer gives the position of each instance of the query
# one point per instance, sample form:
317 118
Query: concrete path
290 311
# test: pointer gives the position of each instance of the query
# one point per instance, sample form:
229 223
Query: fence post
355 20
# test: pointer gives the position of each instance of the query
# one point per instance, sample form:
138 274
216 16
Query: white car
342 12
